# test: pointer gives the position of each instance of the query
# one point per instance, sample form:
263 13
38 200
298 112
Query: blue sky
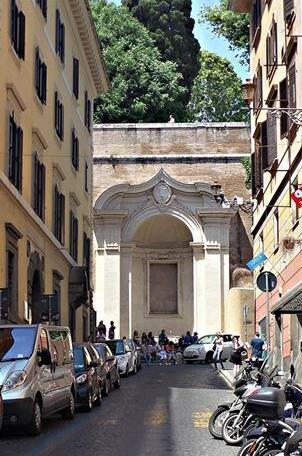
208 41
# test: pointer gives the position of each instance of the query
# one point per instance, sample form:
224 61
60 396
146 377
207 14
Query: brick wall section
187 152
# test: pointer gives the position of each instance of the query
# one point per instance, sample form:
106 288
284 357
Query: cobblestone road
162 411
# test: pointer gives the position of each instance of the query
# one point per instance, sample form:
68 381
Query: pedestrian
136 338
144 338
218 349
102 328
187 339
195 338
258 345
170 349
111 331
151 338
181 343
100 337
238 347
162 338
146 353
163 358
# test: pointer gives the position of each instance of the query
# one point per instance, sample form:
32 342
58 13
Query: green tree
226 24
171 27
216 95
143 87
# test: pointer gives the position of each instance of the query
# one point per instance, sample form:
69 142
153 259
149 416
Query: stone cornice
172 126
84 22
171 158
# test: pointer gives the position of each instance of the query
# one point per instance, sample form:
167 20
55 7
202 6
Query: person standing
162 338
195 338
218 349
236 355
258 345
111 330
102 328
187 339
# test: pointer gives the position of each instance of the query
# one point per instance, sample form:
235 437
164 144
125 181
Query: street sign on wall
257 261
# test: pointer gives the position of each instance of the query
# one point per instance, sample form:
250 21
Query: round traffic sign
266 281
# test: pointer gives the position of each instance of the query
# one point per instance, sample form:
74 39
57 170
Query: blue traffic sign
257 261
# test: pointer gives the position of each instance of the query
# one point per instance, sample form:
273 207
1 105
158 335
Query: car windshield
206 339
116 346
79 360
17 343
100 349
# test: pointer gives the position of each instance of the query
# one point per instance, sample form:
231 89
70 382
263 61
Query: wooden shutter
42 197
13 21
62 42
292 86
85 107
19 159
254 189
283 104
21 35
57 31
76 77
44 82
271 139
263 147
289 7
56 113
44 8
61 121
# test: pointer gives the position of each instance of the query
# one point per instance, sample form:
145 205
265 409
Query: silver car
202 349
36 374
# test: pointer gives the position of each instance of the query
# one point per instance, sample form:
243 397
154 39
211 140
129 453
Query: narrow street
164 410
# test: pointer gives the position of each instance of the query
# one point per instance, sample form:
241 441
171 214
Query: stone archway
195 238
34 287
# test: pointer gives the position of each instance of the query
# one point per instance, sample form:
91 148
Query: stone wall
134 153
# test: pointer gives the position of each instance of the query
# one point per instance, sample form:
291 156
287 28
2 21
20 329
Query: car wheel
117 383
98 400
88 406
69 412
34 427
106 388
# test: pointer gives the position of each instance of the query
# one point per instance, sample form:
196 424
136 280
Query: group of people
167 352
101 331
240 350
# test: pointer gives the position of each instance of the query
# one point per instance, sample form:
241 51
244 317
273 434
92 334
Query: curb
227 377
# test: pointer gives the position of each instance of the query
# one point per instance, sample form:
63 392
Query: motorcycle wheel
244 450
216 422
231 435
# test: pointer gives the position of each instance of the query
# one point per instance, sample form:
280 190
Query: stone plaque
162 193
163 288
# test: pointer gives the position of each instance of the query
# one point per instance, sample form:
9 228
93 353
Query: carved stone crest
162 193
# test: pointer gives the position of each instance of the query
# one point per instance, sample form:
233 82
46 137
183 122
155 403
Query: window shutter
37 70
42 212
61 121
56 112
44 83
271 139
44 8
62 42
289 6
292 86
254 170
13 21
21 43
263 148
89 115
275 43
19 159
85 108
76 77
57 31
283 104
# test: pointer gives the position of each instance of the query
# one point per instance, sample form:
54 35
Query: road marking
201 419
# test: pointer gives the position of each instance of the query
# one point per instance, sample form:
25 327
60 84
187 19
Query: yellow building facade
51 70
276 120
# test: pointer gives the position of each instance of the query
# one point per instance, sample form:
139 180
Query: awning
78 286
290 303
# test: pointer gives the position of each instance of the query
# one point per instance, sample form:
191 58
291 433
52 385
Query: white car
202 350
125 356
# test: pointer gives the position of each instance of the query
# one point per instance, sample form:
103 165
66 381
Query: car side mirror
45 357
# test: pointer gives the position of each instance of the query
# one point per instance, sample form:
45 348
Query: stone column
126 290
107 296
199 301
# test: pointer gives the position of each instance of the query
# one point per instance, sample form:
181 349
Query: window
43 5
60 37
283 104
256 17
74 150
276 229
59 117
271 135
75 81
289 9
12 238
257 102
40 77
73 236
271 50
39 188
59 215
86 253
15 154
17 30
87 111
86 177
259 157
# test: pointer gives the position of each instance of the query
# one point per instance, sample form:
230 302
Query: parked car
137 350
91 378
36 374
110 362
125 356
202 350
